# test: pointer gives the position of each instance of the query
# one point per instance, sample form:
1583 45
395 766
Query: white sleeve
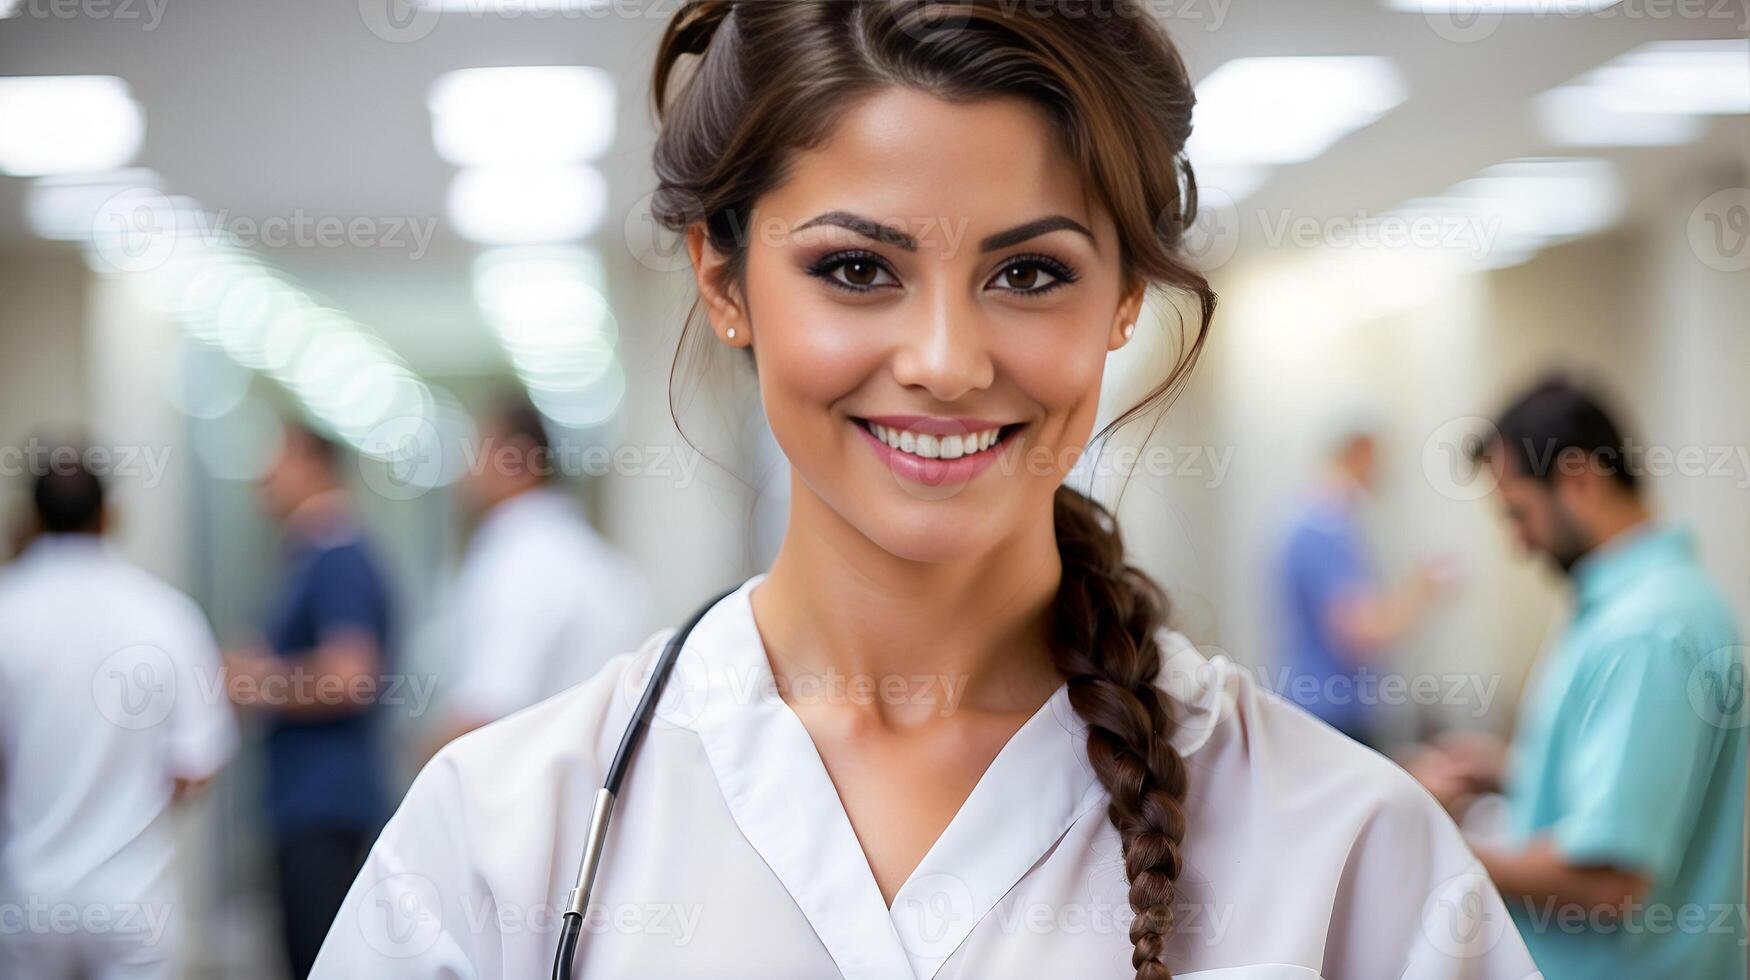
1467 934
202 728
1430 911
458 885
401 923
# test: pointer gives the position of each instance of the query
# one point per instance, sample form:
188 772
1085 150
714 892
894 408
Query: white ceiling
270 108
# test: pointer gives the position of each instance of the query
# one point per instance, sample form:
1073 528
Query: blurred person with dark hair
109 681
1625 781
542 599
1339 618
316 675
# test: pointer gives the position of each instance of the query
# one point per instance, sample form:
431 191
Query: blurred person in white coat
543 601
111 710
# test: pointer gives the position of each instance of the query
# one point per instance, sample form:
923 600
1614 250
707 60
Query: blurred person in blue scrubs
542 600
316 674
1340 621
1625 780
110 712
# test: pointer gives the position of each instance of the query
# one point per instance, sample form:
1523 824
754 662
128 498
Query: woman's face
929 276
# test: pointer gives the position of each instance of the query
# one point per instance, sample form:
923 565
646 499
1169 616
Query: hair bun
689 32
697 23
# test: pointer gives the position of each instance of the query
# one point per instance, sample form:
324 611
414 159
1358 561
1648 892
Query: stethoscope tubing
577 901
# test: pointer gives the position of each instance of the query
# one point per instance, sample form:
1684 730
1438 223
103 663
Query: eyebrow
899 239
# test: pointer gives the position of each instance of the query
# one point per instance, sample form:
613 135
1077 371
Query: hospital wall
42 347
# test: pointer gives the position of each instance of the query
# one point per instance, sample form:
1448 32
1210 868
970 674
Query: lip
935 472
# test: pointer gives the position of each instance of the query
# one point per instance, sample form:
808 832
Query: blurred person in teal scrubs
1625 780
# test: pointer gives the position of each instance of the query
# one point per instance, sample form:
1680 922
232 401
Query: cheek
1057 355
1058 362
1534 522
811 351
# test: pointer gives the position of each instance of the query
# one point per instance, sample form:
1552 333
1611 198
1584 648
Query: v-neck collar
783 800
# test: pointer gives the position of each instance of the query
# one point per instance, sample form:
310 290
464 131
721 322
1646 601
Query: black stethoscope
578 899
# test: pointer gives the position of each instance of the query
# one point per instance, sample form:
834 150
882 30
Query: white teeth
935 447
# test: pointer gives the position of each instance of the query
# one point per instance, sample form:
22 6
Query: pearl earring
1129 330
731 333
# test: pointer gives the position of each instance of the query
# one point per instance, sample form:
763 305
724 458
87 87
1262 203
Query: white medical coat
110 689
730 855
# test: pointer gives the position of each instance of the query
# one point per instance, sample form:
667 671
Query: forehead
1509 480
907 158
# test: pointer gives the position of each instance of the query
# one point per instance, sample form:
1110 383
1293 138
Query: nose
945 351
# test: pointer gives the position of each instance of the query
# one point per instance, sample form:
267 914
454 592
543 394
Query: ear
728 319
1129 312
1577 481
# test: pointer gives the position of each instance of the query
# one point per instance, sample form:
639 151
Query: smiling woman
927 224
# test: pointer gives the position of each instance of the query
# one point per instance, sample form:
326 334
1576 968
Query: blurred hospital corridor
342 334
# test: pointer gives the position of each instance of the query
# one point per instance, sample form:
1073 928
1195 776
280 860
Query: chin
915 520
934 531
914 544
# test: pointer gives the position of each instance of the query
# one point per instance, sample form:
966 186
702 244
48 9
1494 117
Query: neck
80 536
319 513
838 607
522 490
1617 521
1342 484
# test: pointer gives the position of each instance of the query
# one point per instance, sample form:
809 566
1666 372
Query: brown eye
1033 275
853 273
1022 276
859 272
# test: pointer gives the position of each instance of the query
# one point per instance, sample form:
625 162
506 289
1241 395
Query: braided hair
1104 620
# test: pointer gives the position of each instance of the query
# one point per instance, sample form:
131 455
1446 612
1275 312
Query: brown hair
772 78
